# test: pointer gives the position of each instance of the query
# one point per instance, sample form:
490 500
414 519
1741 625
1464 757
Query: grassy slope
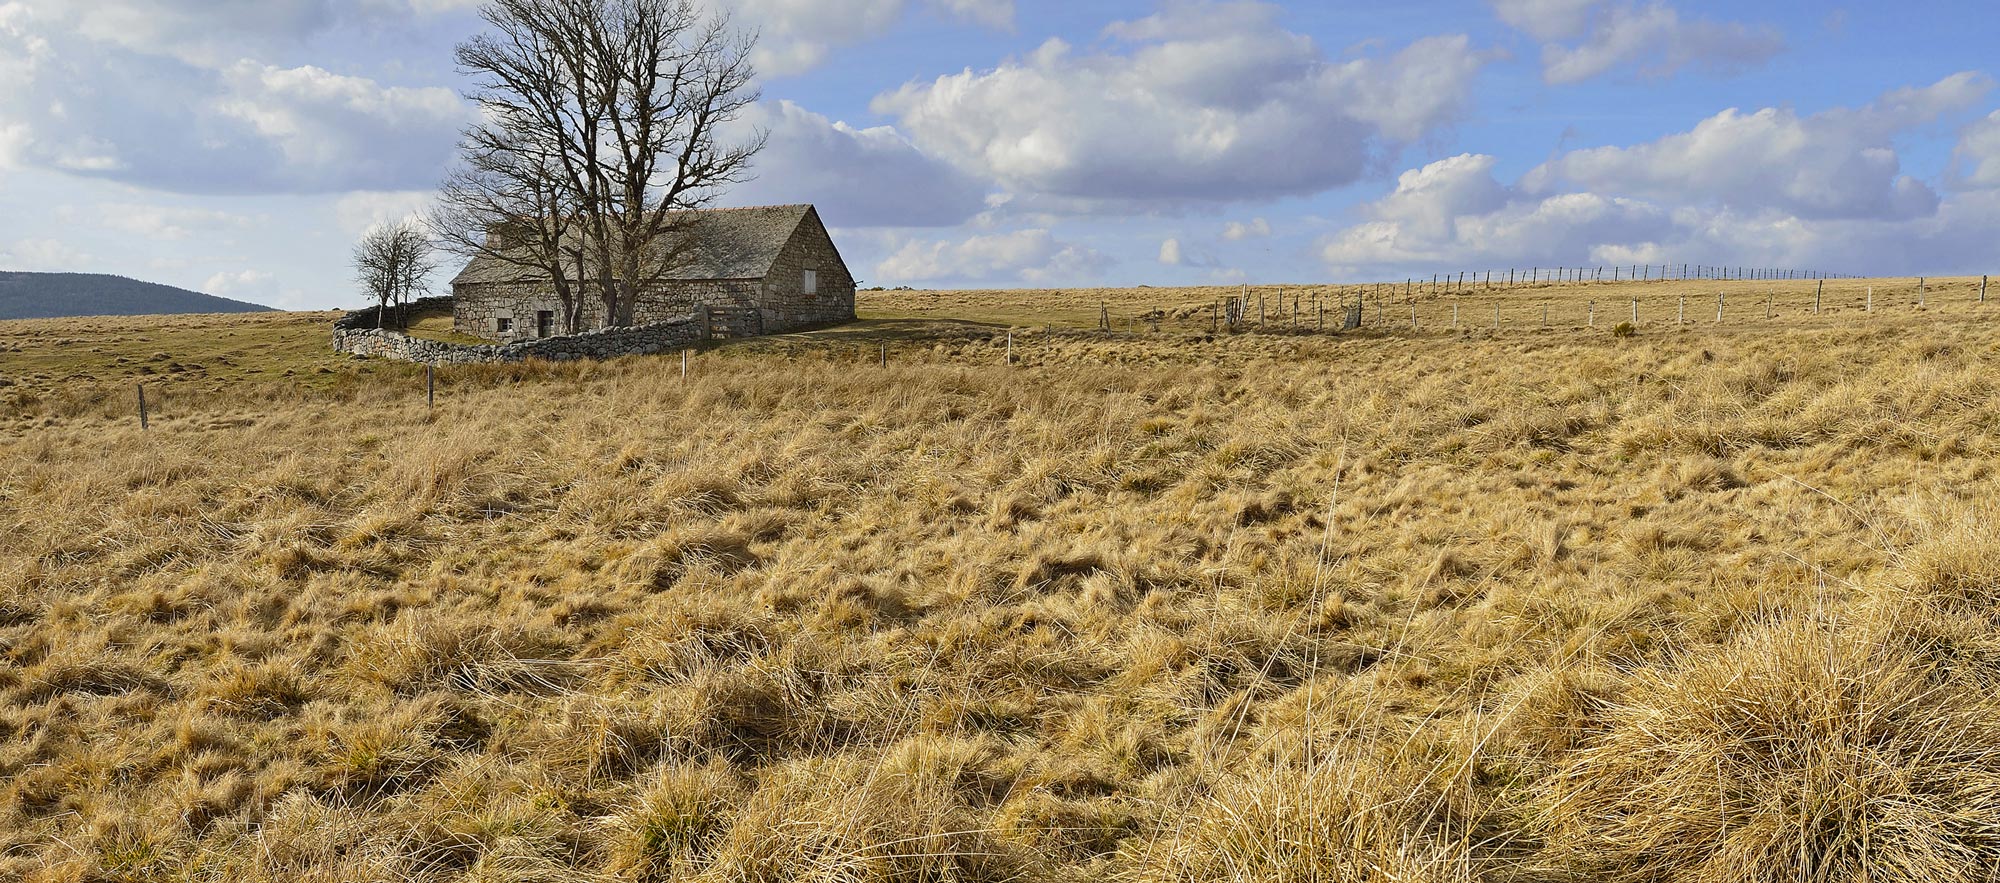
1535 605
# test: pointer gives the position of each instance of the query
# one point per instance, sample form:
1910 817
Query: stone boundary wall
365 318
356 334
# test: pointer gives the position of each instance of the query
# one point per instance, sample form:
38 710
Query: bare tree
603 125
505 202
391 263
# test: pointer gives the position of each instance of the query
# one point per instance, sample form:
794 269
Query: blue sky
240 146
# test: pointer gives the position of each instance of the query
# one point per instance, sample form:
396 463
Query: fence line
1305 307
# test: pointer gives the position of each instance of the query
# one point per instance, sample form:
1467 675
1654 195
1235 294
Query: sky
240 147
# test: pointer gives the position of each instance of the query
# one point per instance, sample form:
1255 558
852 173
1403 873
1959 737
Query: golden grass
1694 605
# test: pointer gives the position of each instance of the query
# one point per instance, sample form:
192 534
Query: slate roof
724 243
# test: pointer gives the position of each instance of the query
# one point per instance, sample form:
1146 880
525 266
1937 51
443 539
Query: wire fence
1422 306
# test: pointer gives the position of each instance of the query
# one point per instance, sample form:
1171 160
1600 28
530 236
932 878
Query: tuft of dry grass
1806 750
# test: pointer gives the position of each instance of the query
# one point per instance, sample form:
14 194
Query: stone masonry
356 334
747 271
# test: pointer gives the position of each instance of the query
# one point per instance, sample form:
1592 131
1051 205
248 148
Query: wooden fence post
142 407
885 354
684 365
1593 314
1982 289
1821 289
1454 315
1718 308
1635 311
430 385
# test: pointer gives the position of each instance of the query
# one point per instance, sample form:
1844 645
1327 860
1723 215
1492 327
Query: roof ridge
750 208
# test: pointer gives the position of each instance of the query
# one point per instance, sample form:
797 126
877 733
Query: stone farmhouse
746 271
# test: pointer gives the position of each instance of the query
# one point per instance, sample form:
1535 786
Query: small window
812 282
545 323
503 325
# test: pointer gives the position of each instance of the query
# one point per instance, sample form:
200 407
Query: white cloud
166 223
857 177
1255 228
795 36
203 32
1170 252
1453 211
1582 39
92 105
361 211
1976 160
42 255
255 286
1546 19
1769 189
997 14
1201 103
325 121
1839 163
1022 256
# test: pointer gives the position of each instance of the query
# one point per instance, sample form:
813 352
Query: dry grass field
1701 603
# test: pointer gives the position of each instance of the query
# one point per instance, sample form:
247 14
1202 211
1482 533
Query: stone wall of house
362 338
477 308
784 300
776 303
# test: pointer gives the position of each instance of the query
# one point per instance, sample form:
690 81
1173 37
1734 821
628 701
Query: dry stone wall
356 334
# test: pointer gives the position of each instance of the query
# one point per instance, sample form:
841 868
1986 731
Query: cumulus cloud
1582 39
1976 160
1170 252
1033 256
870 177
363 211
87 106
251 285
1454 211
1200 103
1839 163
166 223
1769 188
1237 231
43 255
798 35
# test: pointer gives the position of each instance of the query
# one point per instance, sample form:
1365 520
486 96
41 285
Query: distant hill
56 295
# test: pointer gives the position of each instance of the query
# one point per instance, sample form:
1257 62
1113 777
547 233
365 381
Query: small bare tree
603 124
391 263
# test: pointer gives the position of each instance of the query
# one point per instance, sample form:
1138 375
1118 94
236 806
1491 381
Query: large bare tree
603 122
391 264
506 202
